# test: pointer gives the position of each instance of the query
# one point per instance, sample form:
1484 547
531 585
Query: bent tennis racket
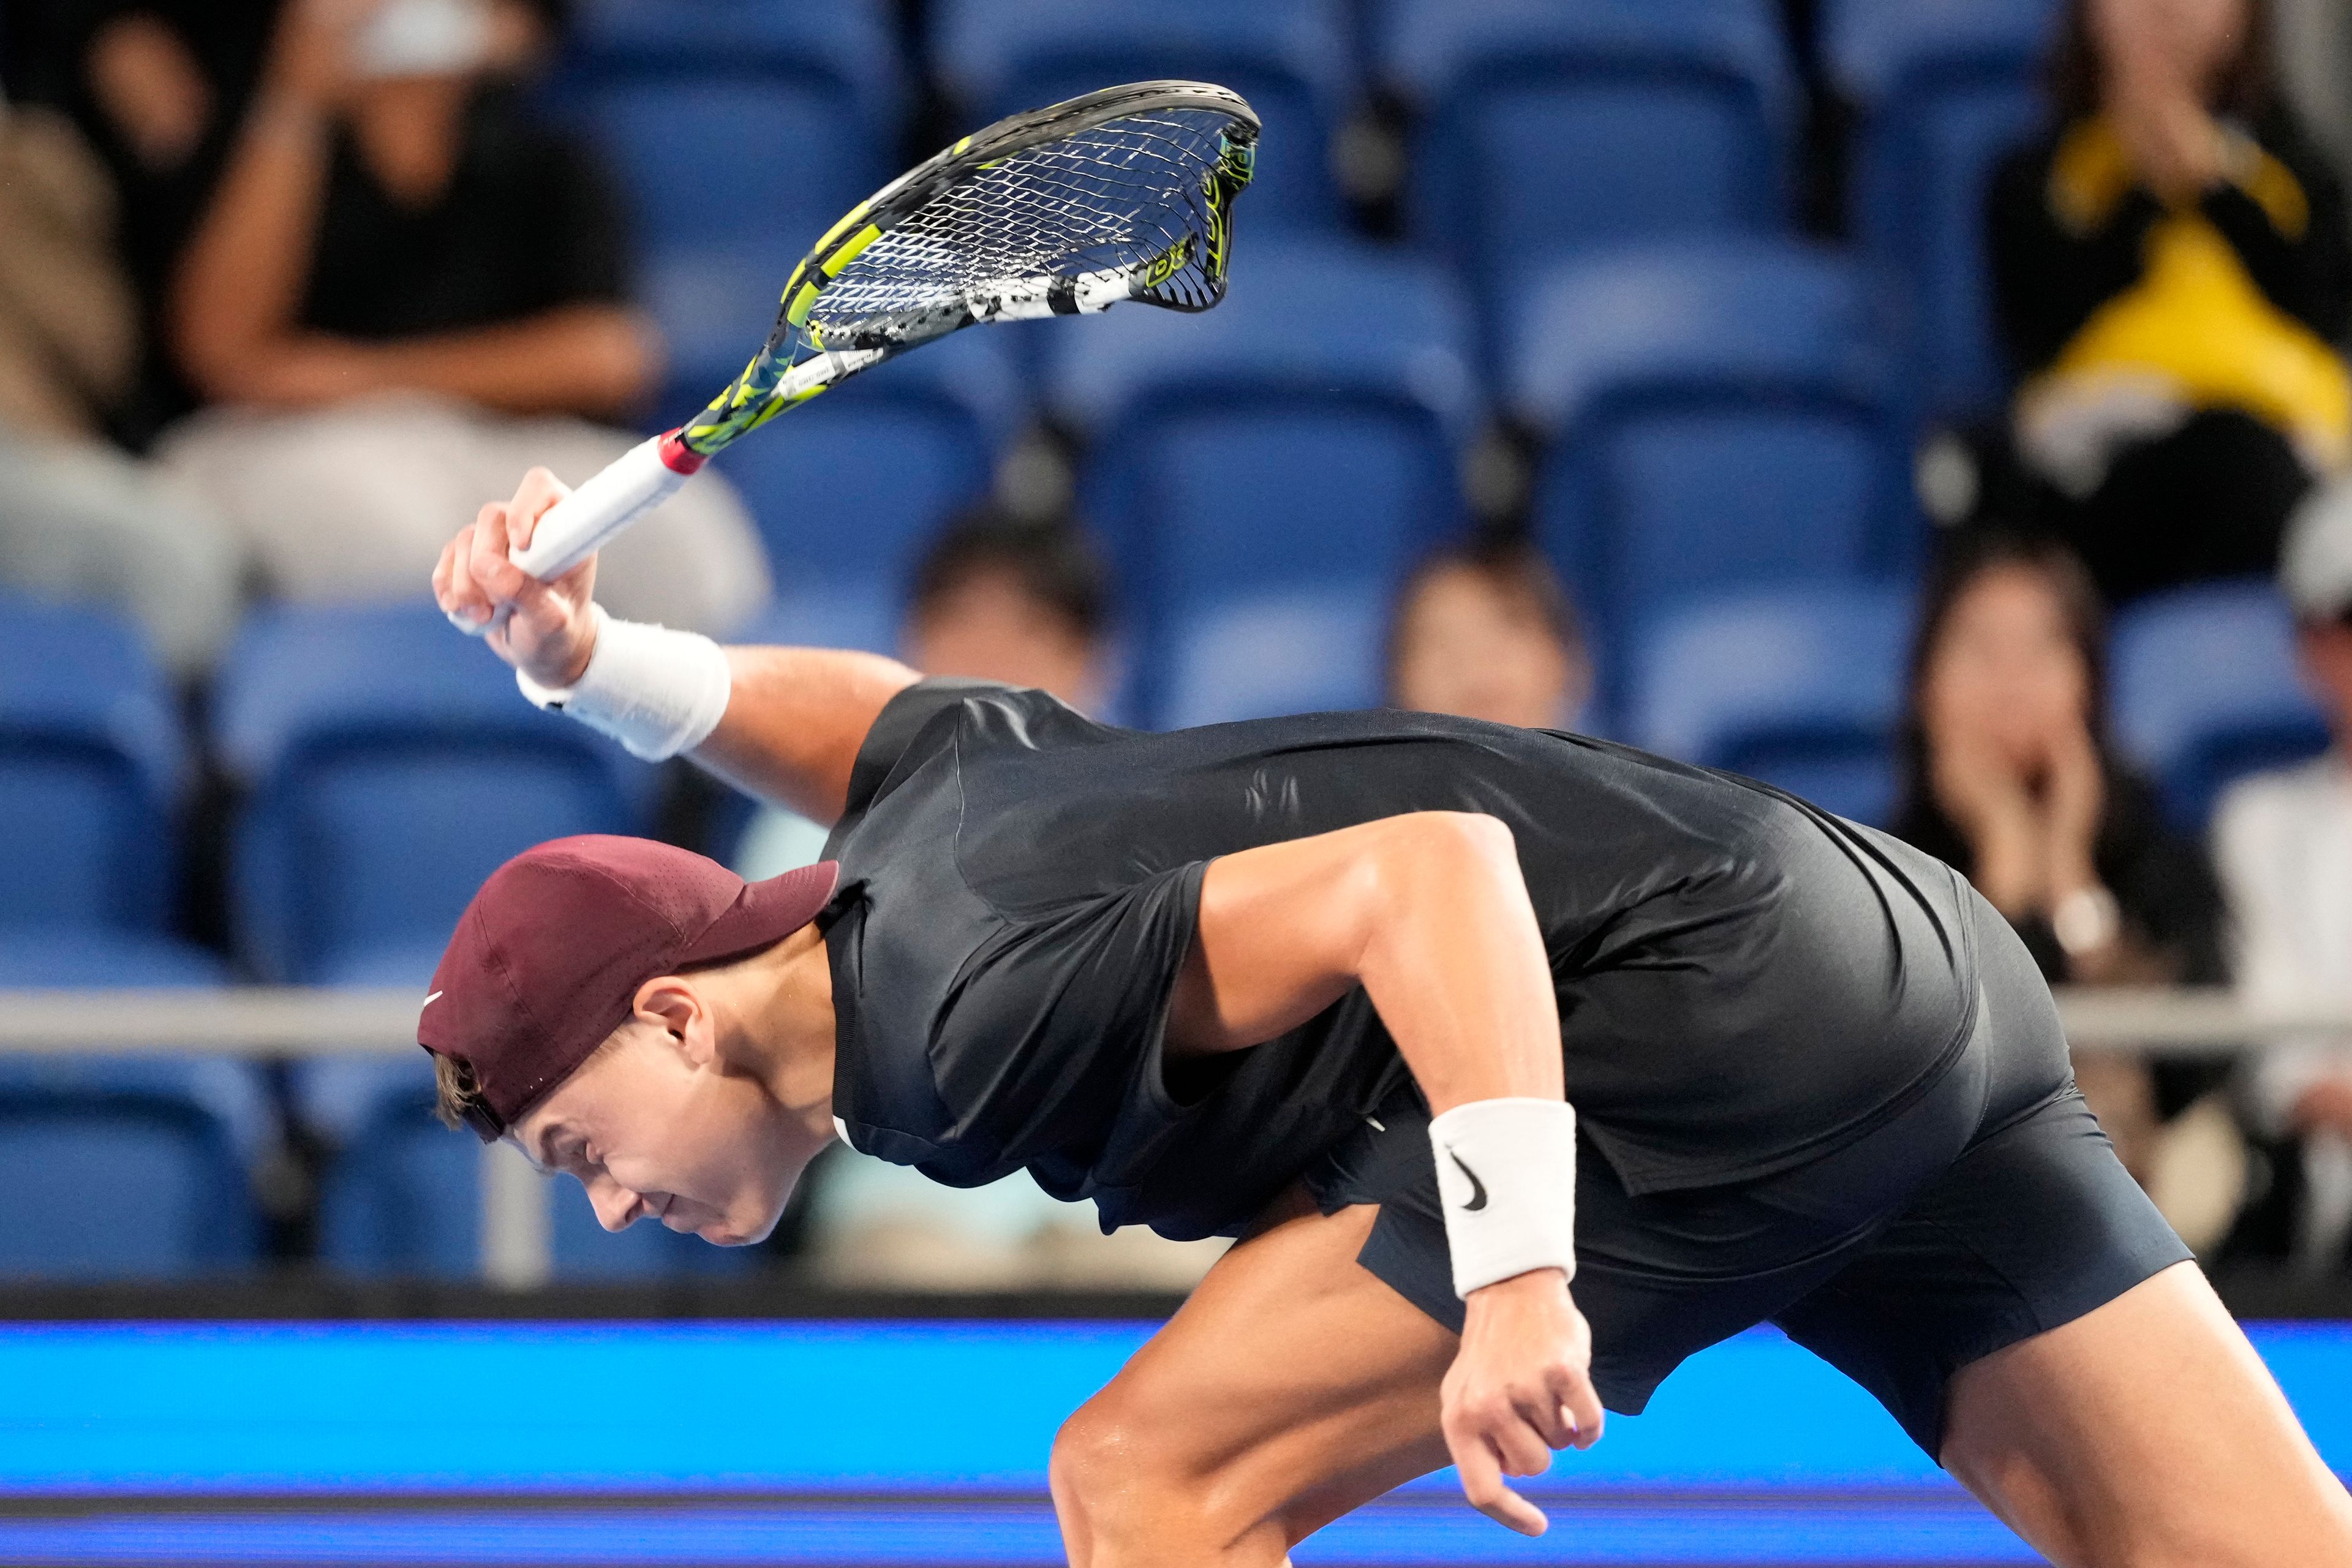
1124 193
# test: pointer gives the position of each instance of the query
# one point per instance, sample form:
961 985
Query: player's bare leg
2146 1432
1292 1388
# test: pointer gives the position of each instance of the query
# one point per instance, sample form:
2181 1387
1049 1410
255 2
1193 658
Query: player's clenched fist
1520 1387
545 629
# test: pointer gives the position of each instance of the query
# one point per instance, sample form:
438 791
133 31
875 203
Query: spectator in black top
404 282
2170 272
2007 776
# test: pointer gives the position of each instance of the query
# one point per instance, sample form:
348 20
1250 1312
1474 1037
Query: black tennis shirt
1745 982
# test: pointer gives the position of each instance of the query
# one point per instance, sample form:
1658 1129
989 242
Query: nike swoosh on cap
428 1001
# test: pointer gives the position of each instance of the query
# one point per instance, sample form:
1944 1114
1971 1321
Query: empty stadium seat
1801 687
160 1145
849 488
401 1195
390 766
1940 89
1265 473
2205 691
91 766
1716 416
1547 128
1291 58
741 130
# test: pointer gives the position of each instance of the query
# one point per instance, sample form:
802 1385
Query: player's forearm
578 359
241 282
794 721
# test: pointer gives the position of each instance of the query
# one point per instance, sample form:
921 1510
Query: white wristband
656 691
1506 1179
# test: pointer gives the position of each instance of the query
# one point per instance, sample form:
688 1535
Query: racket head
1122 194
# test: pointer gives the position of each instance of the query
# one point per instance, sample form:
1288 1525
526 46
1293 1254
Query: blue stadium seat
91 766
1717 418
1291 58
160 1145
1801 687
390 766
401 1194
1265 473
849 488
1940 89
741 130
2205 691
1549 127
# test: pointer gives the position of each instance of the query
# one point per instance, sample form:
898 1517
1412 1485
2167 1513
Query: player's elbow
1426 863
1446 846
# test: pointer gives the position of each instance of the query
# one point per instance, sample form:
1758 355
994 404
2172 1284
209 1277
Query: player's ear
672 1004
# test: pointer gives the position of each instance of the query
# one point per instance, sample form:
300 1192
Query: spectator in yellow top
2170 272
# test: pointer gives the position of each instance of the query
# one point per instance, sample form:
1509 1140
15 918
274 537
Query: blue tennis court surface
844 1444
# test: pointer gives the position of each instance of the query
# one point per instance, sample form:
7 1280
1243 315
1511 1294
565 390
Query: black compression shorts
1989 1210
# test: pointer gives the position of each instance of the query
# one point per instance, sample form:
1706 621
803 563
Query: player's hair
1052 562
1513 566
2243 87
455 1090
1965 557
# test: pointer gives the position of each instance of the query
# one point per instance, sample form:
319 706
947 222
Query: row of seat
167 1151
384 766
1712 414
1541 129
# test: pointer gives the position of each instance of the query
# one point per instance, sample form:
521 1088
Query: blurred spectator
78 517
2283 843
1485 630
406 291
159 87
2007 776
1025 603
2171 270
995 598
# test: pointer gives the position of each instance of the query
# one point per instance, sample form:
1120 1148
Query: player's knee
1122 1473
1100 1457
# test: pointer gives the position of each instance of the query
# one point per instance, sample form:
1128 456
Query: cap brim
766 912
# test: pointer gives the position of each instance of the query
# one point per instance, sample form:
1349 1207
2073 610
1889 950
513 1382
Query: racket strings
1118 197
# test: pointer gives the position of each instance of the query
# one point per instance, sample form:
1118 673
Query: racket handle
623 490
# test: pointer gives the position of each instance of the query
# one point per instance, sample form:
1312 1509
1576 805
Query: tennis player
1524 1066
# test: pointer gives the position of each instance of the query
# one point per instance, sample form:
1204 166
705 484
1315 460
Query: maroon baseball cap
547 960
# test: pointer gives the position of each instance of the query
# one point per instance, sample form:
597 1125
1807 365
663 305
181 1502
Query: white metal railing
268 1022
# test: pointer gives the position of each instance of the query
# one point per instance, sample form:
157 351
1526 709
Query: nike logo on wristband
1477 1188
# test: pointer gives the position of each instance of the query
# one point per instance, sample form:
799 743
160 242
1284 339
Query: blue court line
1396 1536
799 1408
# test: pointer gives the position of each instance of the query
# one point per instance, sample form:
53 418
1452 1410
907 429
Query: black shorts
1989 1209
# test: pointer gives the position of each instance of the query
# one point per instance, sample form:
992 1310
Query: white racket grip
623 490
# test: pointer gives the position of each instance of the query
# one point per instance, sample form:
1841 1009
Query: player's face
2005 673
653 1129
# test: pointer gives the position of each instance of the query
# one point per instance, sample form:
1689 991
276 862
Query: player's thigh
2146 1432
1291 1387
